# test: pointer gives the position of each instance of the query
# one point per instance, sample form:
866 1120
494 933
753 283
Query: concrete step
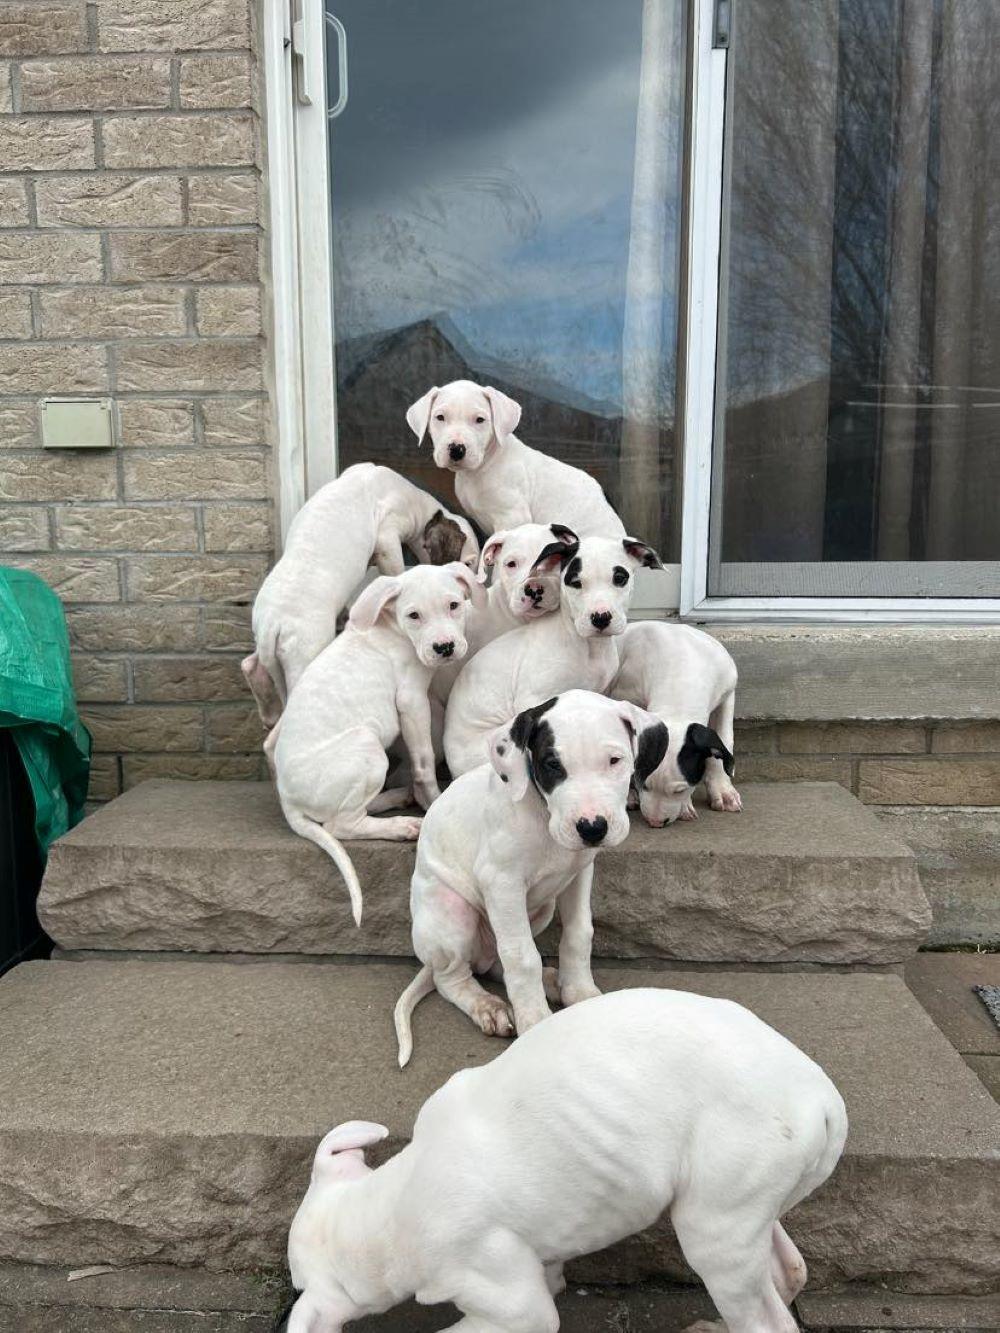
167 1113
805 874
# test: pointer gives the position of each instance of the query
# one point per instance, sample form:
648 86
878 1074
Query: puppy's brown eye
480 420
620 577
615 759
439 416
512 564
413 615
453 606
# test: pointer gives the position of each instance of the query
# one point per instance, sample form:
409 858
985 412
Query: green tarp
37 703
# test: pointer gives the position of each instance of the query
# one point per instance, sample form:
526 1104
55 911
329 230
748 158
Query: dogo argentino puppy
574 649
368 514
499 480
583 1132
328 749
508 842
688 680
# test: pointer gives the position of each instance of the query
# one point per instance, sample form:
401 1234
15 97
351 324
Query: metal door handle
342 90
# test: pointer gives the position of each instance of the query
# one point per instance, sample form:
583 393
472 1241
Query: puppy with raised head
509 842
573 649
499 480
370 684
688 680
584 1132
366 516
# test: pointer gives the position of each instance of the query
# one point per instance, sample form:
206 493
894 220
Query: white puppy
585 1131
329 747
499 480
367 515
508 842
688 680
575 649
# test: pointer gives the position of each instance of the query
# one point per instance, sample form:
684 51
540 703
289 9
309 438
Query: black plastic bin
21 863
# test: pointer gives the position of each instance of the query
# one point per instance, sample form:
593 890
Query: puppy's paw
688 812
550 981
574 993
725 798
426 794
493 1016
527 1018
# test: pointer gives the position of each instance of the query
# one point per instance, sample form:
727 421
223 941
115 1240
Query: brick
179 140
966 738
188 679
56 368
15 314
40 257
233 421
215 201
238 528
109 201
134 629
58 475
126 529
201 475
74 578
209 82
105 778
196 767
113 312
155 422
781 768
172 25
929 781
46 143
228 312
234 728
24 529
95 83
206 578
756 739
189 366
227 628
200 256
98 680
851 738
137 728
34 28
18 427
13 203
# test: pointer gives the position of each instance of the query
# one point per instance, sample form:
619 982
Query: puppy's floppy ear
490 551
506 413
700 744
650 739
418 414
562 533
509 746
556 555
642 553
340 1154
373 601
474 590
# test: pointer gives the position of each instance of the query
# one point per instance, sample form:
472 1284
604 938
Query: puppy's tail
421 986
309 828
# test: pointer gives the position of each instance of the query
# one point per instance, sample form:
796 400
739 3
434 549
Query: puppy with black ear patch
688 680
508 842
576 648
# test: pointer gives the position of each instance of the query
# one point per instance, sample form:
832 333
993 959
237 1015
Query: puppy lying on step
328 749
688 680
509 841
584 1132
366 516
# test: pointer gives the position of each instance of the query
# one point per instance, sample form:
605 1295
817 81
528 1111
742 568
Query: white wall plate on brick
77 423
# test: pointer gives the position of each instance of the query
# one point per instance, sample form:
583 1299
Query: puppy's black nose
592 831
444 649
456 452
601 619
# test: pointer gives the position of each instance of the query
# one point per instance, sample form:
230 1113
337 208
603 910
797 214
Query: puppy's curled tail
308 828
421 986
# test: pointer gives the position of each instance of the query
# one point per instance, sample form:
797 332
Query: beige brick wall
130 267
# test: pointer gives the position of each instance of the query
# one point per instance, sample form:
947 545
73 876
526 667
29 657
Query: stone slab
805 874
943 983
167 1113
853 1310
958 857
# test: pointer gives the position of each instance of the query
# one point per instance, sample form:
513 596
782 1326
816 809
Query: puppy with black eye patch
511 840
576 648
688 680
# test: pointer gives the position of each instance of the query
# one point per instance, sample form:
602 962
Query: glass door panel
857 445
505 193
